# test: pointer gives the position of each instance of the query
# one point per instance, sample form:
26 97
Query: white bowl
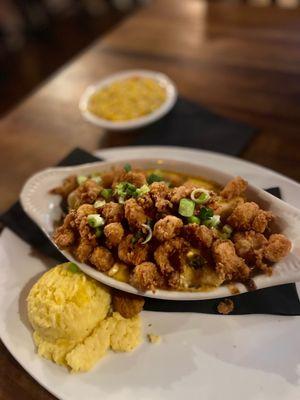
162 79
44 209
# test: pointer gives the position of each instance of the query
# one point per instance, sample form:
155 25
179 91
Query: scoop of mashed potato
72 320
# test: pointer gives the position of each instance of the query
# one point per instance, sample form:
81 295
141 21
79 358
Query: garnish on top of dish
166 230
127 99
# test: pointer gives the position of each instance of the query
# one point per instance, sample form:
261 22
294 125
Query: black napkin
191 125
280 300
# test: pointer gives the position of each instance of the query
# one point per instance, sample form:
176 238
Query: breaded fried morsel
146 276
167 228
228 264
169 255
127 304
225 306
102 258
277 248
112 212
114 233
198 235
132 253
234 188
83 250
69 184
179 193
249 245
249 216
134 213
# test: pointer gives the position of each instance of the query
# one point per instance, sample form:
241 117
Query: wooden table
240 61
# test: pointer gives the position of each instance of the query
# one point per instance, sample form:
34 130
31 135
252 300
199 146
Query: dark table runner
186 125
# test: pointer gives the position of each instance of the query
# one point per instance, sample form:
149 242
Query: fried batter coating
179 193
127 304
114 233
146 276
112 212
85 209
174 280
146 203
159 190
132 253
102 259
134 213
167 228
136 178
249 216
69 184
83 250
169 255
278 247
234 188
163 206
198 235
224 207
249 245
107 179
228 264
64 236
88 191
225 306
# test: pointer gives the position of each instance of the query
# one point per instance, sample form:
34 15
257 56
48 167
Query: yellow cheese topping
127 99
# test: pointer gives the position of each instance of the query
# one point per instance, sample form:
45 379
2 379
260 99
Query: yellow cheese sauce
127 99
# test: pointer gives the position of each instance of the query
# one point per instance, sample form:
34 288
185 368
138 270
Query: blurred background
39 36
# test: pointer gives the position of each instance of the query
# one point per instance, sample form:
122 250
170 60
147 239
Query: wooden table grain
238 60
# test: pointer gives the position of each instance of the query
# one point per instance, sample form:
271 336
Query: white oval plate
253 357
162 79
44 209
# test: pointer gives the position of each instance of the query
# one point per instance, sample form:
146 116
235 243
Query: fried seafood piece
64 236
224 207
146 203
134 213
198 235
225 306
88 191
69 184
169 256
228 264
136 178
102 258
146 276
163 206
234 188
112 212
167 228
127 304
107 179
249 245
277 248
179 193
85 209
159 190
132 253
83 250
248 216
114 233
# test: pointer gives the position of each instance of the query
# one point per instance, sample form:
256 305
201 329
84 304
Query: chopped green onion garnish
193 220
142 190
106 193
127 167
73 267
81 179
121 200
99 231
96 179
154 178
95 220
124 189
99 203
186 207
226 231
213 221
206 213
200 196
149 234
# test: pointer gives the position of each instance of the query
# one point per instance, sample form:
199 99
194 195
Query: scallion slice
73 267
149 234
206 213
200 196
226 231
142 190
154 178
194 220
186 207
127 167
212 222
95 220
97 179
99 231
106 193
99 203
81 179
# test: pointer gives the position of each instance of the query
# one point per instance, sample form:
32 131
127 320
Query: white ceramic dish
162 79
253 357
44 208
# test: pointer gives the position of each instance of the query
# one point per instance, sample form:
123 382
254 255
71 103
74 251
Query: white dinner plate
253 357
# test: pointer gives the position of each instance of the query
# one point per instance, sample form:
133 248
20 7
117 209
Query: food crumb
225 306
155 339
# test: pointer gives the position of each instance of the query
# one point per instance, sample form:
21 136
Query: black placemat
192 125
281 300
